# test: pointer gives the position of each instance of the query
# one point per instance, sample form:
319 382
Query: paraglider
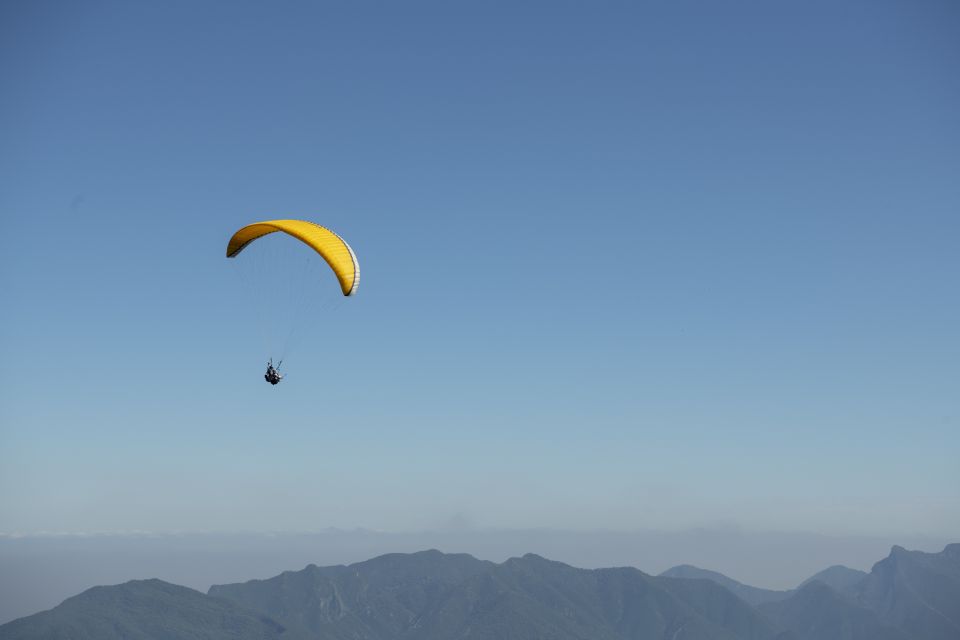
272 375
328 245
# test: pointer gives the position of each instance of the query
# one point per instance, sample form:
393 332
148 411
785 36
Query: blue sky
625 265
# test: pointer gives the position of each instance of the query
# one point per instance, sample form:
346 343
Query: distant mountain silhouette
838 577
907 595
429 595
379 598
916 591
751 595
143 609
434 596
816 611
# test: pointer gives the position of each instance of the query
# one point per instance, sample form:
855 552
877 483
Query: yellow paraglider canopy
329 245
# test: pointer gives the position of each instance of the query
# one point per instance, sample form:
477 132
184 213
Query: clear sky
625 265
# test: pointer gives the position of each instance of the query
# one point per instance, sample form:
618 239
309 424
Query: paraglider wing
329 245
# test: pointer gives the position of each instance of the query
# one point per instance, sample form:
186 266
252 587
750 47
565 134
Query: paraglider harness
272 375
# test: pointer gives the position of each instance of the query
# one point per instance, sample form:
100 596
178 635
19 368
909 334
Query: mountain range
430 595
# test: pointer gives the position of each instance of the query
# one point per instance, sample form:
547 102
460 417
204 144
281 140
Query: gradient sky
625 265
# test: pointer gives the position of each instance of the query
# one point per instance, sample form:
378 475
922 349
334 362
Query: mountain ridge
144 609
431 595
750 594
